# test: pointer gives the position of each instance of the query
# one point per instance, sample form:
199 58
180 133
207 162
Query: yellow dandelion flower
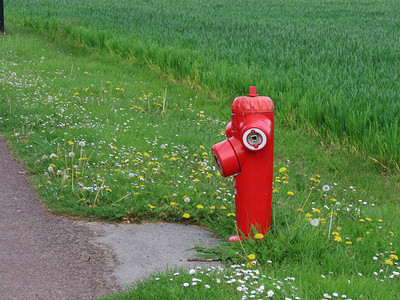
368 219
290 193
222 207
250 264
380 221
172 203
335 233
394 256
333 200
281 170
186 215
200 206
308 215
251 256
299 210
202 147
151 206
349 243
70 142
389 262
359 239
316 210
259 236
337 238
230 215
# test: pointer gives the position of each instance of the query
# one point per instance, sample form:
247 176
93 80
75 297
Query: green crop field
332 65
108 140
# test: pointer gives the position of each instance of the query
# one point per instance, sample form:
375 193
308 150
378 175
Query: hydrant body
248 155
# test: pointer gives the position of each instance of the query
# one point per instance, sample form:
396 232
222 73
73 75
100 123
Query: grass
112 147
105 138
332 65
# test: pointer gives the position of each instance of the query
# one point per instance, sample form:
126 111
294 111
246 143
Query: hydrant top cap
252 105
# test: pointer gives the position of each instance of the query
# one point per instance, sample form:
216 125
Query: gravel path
47 257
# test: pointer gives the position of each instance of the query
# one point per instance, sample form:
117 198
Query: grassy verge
332 65
105 138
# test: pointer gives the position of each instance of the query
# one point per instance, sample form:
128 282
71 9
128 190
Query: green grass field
106 138
332 65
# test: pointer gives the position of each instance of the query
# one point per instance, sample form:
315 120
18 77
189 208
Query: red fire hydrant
248 155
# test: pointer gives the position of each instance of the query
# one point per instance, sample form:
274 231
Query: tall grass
333 64
106 140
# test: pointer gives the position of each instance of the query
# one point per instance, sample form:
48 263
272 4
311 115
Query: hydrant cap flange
258 104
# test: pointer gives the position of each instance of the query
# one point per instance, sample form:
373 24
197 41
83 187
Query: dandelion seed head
326 188
315 222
